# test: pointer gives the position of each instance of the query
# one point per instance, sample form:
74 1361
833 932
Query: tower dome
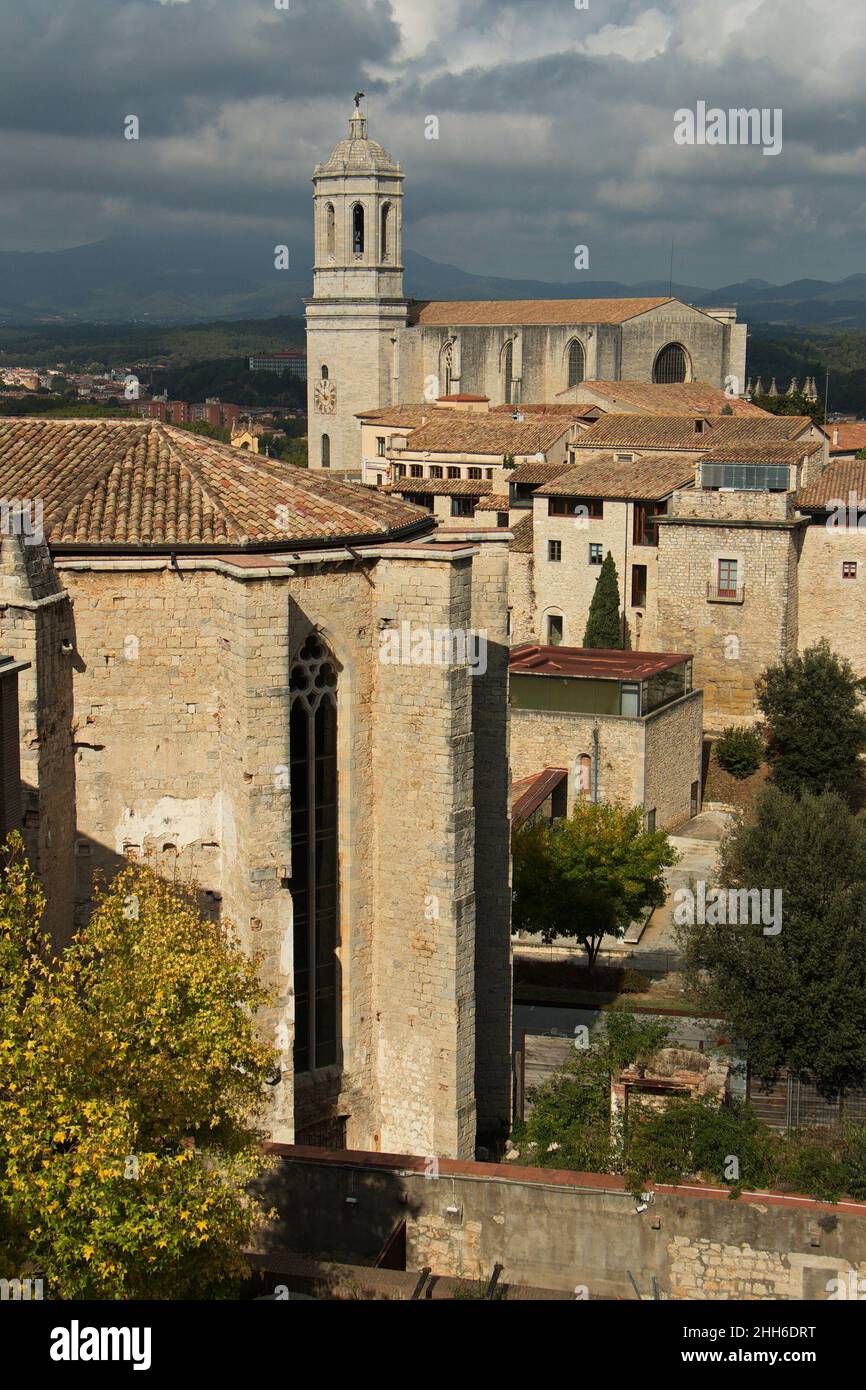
358 154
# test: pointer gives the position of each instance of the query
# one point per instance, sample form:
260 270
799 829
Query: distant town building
210 412
292 361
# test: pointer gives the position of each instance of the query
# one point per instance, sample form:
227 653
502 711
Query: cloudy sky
555 126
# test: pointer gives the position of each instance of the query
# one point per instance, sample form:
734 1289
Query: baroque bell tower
357 308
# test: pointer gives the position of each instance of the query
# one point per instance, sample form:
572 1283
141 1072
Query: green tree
589 875
790 984
813 706
130 1076
791 405
569 1125
604 627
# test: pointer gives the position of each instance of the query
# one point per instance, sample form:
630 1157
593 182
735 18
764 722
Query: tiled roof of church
679 432
680 398
647 479
505 312
457 432
140 484
576 411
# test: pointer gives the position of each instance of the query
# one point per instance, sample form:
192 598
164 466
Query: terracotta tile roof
682 398
409 415
522 537
494 503
648 479
599 663
528 793
835 484
537 472
444 312
850 436
439 487
140 484
456 432
678 431
575 411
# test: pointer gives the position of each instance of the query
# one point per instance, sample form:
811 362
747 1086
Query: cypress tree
604 624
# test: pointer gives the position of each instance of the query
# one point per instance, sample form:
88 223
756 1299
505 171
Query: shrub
740 751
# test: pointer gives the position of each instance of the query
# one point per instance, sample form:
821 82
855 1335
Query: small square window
416 471
849 569
595 555
475 474
554 550
454 473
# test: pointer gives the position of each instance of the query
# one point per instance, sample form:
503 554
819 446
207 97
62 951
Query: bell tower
358 307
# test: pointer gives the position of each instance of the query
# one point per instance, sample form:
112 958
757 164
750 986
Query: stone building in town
207 692
369 347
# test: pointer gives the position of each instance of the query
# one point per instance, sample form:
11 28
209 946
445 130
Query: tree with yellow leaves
131 1079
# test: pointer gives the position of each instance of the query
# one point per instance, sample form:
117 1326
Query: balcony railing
725 593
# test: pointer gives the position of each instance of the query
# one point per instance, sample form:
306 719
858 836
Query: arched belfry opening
358 230
315 860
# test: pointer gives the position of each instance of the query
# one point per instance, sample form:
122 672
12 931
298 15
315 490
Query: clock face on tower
326 397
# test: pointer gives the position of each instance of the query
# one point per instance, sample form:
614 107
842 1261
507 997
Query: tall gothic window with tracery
507 367
446 366
315 871
576 363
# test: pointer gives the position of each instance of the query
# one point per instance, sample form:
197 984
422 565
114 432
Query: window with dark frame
595 555
314 884
463 506
638 586
849 569
554 550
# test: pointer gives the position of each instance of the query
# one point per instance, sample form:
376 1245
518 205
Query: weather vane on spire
358 98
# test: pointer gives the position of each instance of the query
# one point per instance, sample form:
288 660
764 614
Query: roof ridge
231 521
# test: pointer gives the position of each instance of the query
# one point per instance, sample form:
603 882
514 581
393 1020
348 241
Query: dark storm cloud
556 125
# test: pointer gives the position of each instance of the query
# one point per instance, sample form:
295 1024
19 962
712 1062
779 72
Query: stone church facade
206 693
369 347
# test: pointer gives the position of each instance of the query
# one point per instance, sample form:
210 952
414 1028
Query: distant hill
184 279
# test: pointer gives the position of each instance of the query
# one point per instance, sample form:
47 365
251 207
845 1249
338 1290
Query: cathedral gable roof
509 312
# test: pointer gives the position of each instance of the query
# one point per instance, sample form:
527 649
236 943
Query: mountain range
186 278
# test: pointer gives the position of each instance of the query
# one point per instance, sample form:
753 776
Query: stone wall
566 586
540 740
174 698
521 598
830 606
674 750
575 1232
732 642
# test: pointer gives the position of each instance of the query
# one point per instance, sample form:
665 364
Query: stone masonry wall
732 642
674 748
540 740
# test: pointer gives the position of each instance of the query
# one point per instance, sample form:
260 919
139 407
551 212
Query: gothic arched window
507 365
671 365
358 229
324 371
446 363
385 235
330 231
576 363
326 451
314 883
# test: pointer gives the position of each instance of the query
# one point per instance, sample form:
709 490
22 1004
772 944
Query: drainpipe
596 753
